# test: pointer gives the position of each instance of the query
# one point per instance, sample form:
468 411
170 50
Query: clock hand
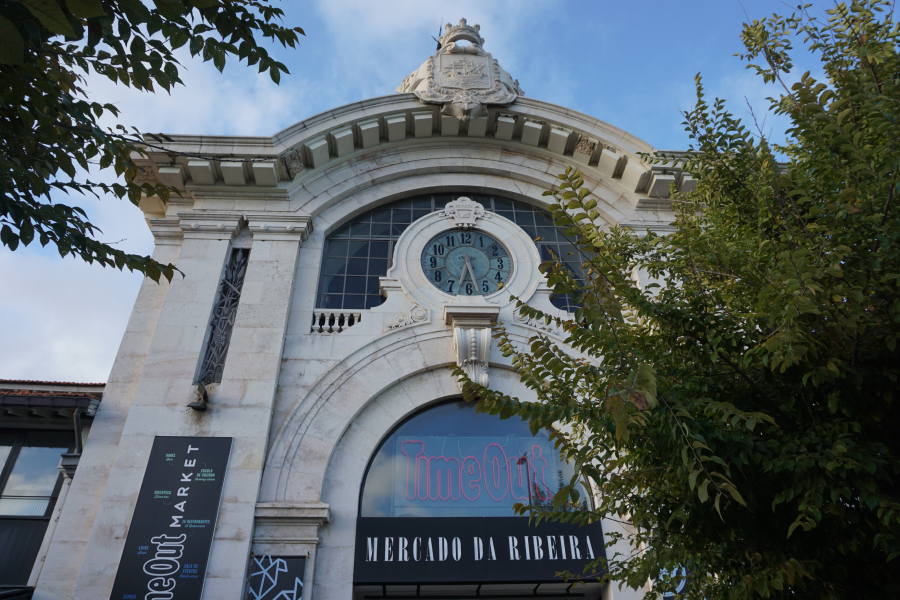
468 268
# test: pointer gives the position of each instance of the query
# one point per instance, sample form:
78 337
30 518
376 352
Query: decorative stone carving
144 175
585 145
463 79
413 315
293 162
538 324
465 212
224 314
471 318
473 350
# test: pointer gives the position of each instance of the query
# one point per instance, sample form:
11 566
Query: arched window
358 253
449 461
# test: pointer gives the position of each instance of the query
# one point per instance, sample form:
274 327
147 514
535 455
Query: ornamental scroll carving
413 315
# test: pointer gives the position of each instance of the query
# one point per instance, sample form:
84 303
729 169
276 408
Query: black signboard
393 550
167 548
276 578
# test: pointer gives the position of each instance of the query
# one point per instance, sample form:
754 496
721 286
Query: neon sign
479 471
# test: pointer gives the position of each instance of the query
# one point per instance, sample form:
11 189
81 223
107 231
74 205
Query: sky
631 64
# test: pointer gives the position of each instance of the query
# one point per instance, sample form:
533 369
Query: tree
49 126
741 412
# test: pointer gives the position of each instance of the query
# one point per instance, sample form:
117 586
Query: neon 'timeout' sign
487 471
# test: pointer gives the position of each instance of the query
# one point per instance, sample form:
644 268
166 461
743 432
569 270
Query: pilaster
247 391
70 541
162 386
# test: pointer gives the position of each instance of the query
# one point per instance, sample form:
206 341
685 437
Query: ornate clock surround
463 213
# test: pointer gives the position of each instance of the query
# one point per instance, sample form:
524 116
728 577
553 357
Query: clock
467 263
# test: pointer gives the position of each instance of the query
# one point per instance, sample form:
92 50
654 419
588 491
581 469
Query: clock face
468 263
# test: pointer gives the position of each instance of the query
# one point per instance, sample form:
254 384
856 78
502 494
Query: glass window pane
547 234
378 267
372 301
379 249
5 449
381 229
448 461
333 284
332 301
342 232
502 204
355 285
524 218
359 249
335 266
359 230
381 215
33 478
337 249
354 302
356 266
401 215
373 286
423 203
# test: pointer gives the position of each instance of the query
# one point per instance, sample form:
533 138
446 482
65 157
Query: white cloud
62 320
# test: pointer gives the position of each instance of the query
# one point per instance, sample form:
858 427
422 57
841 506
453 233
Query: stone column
246 396
69 541
162 388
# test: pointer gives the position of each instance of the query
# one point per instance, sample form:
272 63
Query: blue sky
631 64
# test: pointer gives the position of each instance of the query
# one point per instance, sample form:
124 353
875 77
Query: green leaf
12 47
50 16
86 8
702 492
645 382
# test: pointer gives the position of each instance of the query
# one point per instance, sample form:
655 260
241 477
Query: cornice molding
166 231
268 227
209 225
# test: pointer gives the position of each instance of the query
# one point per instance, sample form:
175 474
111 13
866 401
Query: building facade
281 421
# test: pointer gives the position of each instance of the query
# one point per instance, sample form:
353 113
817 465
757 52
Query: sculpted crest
463 79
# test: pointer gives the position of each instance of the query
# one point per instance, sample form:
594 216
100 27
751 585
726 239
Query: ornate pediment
463 79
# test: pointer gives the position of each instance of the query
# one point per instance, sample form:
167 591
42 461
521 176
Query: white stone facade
307 407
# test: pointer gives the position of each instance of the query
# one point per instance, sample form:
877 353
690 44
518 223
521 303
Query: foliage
738 414
49 126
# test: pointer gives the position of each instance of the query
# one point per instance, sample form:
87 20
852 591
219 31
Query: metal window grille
358 253
223 317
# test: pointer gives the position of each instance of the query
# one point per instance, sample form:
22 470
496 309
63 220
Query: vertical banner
167 548
276 578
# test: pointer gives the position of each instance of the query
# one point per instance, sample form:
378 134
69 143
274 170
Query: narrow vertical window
223 317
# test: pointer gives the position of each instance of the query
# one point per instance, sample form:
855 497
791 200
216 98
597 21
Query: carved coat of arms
464 79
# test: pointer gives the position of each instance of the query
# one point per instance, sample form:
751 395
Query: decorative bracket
471 318
465 212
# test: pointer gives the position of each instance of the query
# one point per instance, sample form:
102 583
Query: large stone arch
344 471
312 427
